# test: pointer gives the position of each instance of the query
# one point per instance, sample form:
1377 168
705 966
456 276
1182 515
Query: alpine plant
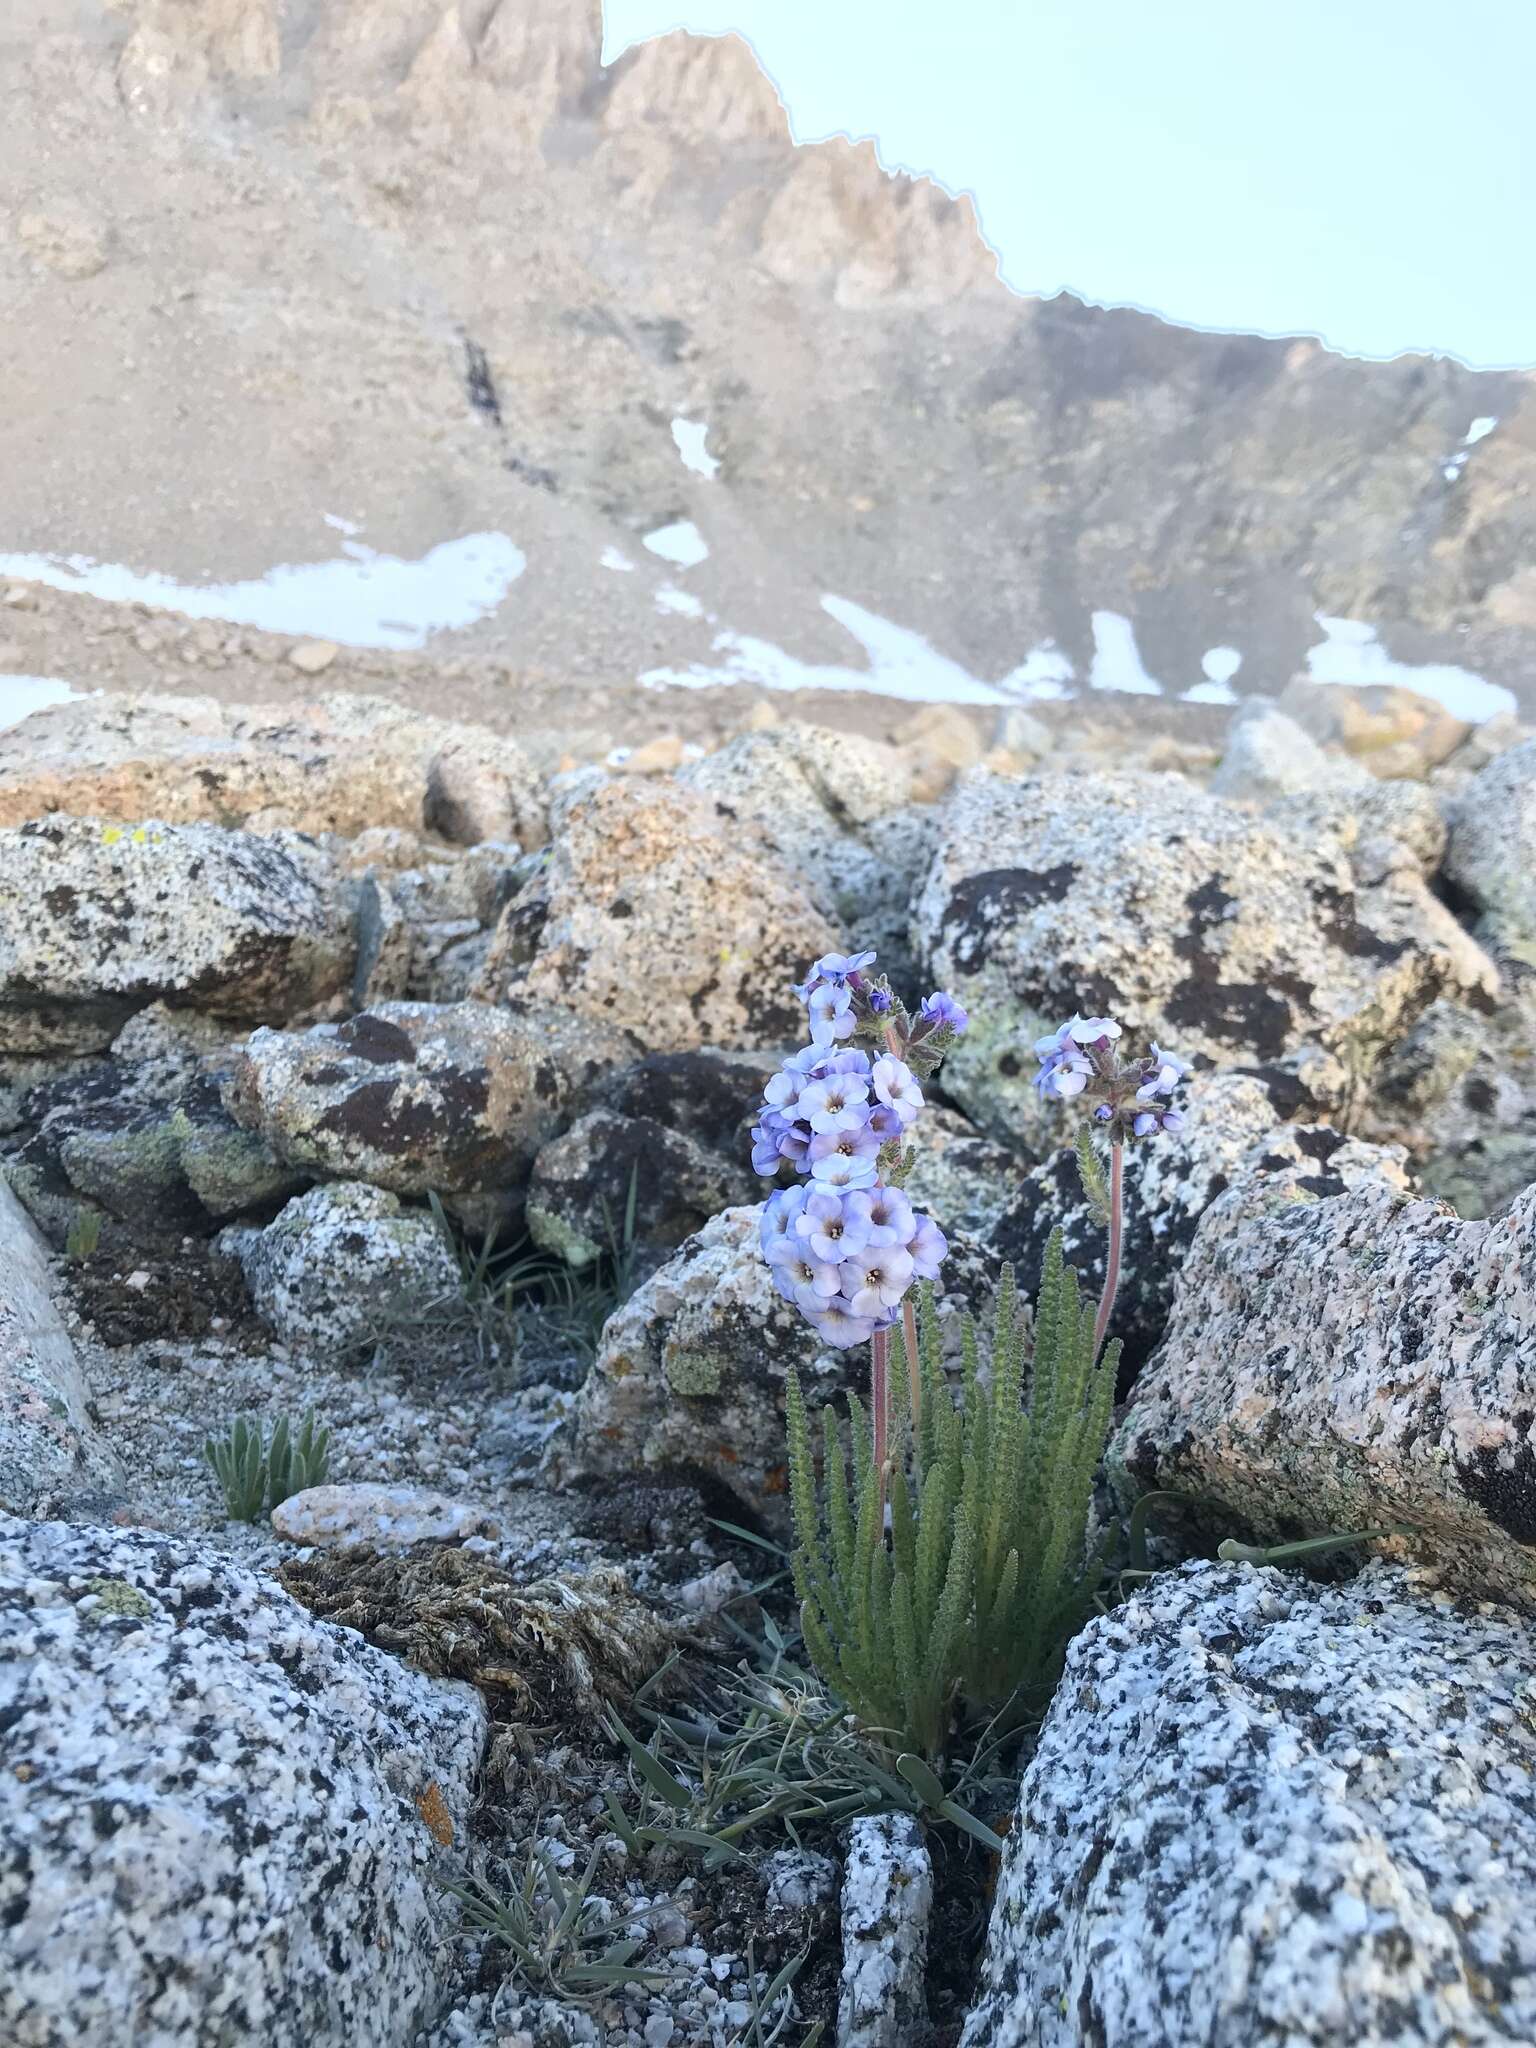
941 1579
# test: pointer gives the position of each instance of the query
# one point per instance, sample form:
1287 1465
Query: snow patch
681 542
900 663
20 696
1351 654
670 599
1219 665
1117 661
364 600
690 436
613 559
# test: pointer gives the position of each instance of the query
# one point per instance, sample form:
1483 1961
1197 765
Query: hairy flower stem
879 1404
1112 1262
914 1362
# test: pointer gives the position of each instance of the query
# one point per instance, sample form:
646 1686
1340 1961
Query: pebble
369 1516
311 657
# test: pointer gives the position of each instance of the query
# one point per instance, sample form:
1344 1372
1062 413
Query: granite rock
839 809
1190 919
48 1442
1492 854
1349 1361
660 914
1263 1813
222 1819
99 921
886 1905
339 1265
450 1098
344 763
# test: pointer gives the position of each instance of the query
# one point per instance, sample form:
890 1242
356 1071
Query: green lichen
693 1373
116 1598
992 1069
554 1233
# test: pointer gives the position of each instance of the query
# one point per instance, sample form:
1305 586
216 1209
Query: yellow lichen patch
435 1815
111 835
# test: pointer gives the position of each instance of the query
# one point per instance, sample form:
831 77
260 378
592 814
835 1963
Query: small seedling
254 1475
84 1234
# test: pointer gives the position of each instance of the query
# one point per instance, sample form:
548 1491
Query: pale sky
1364 170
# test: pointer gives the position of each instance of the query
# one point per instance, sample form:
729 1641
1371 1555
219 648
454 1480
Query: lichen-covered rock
1193 921
342 764
962 1178
1460 1093
1265 1811
691 1370
614 1182
98 921
661 914
339 1265
1352 1362
1232 1119
886 1905
839 809
1392 731
449 1098
1492 854
1269 755
222 1819
150 1165
48 1442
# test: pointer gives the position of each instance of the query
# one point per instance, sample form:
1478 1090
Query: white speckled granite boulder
1232 938
336 1266
219 1818
1170 1182
1492 854
99 921
886 1905
1270 1814
838 808
1350 1362
47 1439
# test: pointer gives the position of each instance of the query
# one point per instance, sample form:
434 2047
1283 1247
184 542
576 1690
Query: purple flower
837 1325
928 1248
876 1278
780 1212
1094 1030
885 1122
839 966
944 1013
831 1013
1169 1071
765 1149
833 1224
896 1086
802 1272
880 1000
884 1213
835 1104
849 1161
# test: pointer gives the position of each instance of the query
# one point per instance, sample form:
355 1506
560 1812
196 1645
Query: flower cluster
1131 1096
844 1242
